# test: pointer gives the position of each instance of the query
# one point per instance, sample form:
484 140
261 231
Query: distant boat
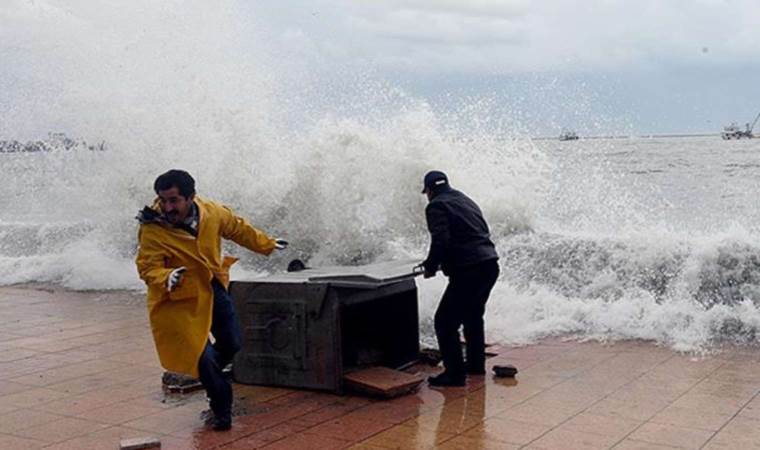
568 135
734 132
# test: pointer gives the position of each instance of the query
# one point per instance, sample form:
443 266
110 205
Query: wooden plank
382 381
142 443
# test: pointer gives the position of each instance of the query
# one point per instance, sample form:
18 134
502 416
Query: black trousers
215 357
464 304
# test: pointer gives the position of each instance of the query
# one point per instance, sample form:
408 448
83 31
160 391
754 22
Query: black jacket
459 233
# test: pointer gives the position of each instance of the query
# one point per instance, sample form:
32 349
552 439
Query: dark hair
175 178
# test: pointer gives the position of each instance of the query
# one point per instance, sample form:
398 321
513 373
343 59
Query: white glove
280 244
174 278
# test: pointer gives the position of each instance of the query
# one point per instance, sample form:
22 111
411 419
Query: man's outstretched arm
238 230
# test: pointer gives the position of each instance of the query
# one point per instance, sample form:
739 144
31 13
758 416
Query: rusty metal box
308 328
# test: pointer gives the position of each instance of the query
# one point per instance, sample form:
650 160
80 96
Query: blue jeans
226 332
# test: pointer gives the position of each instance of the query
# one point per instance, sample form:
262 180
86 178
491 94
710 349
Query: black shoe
476 371
447 379
506 371
207 416
222 423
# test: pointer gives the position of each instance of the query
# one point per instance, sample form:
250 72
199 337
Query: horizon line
629 136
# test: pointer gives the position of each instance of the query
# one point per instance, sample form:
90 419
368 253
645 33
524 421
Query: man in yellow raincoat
180 260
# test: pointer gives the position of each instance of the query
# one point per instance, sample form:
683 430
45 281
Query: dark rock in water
506 371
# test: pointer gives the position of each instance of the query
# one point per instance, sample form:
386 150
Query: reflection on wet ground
80 373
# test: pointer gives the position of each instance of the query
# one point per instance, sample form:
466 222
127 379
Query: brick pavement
78 371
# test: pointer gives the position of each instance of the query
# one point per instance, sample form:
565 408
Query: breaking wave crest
692 294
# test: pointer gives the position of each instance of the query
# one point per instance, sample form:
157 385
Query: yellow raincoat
181 319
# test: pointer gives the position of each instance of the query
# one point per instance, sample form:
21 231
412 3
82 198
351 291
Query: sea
653 238
631 238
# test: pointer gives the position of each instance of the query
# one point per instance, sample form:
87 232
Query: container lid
366 276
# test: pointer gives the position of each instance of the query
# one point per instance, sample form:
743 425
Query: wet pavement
79 371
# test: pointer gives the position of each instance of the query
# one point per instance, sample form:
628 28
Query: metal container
308 328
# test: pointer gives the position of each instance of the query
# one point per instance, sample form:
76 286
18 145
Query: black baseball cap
434 178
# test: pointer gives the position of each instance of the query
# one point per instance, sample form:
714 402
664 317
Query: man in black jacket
461 246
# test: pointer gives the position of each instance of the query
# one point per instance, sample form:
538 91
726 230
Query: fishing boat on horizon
733 131
567 135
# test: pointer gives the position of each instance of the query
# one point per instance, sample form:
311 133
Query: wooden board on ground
143 443
382 381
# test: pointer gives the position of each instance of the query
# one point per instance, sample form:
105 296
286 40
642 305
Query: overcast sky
644 65
595 66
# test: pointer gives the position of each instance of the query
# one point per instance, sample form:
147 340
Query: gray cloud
420 27
520 36
474 8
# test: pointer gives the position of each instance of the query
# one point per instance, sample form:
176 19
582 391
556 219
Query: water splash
332 159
